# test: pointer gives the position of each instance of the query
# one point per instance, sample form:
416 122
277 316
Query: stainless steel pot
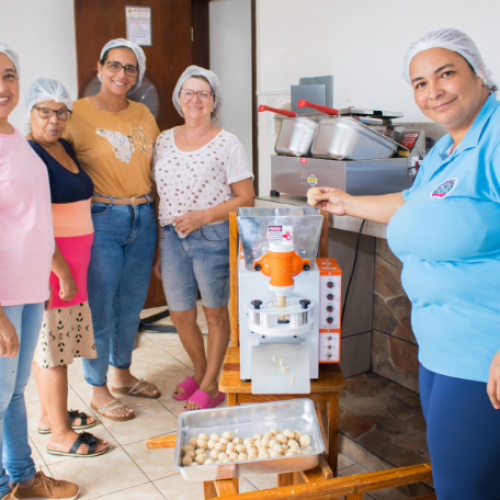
296 134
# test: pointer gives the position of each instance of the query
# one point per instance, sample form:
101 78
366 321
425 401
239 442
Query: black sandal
72 416
83 438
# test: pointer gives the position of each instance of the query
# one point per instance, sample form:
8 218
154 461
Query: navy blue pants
463 434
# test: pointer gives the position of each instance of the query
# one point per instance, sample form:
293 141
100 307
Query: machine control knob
304 303
329 309
306 267
256 304
329 320
257 267
330 284
329 296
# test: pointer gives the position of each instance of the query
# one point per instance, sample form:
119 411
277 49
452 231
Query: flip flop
72 416
137 393
190 387
116 404
204 401
83 438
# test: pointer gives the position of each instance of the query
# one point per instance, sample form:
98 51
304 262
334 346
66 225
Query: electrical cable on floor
353 268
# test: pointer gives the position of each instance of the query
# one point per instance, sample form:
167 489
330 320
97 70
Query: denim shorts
200 260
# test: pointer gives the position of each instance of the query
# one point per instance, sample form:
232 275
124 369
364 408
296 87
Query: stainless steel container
345 138
296 136
245 421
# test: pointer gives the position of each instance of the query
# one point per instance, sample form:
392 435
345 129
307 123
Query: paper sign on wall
138 21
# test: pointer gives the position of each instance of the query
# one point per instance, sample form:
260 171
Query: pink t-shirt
200 179
26 232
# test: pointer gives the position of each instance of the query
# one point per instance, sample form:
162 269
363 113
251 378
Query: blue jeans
120 267
463 434
200 260
14 375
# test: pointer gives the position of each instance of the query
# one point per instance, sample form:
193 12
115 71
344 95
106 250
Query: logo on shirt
444 189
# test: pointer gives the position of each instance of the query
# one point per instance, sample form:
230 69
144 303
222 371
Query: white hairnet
212 79
136 49
45 89
5 49
456 41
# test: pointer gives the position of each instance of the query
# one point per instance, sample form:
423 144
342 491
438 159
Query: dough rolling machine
289 300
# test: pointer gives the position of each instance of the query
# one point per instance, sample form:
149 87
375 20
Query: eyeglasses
203 95
115 67
62 114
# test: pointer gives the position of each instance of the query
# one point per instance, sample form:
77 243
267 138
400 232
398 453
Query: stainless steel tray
245 421
345 138
296 136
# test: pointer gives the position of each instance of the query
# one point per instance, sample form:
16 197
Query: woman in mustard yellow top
113 139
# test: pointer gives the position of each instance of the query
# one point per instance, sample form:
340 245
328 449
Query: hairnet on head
456 41
5 49
212 79
136 49
45 89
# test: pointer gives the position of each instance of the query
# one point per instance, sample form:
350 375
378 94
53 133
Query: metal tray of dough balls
195 429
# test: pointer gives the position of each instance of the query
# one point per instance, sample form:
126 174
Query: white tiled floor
129 471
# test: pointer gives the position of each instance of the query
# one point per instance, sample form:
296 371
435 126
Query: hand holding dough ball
310 196
305 440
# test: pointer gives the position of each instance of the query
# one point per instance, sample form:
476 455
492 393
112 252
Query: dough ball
310 196
273 454
238 440
224 440
289 434
190 453
277 449
193 464
289 453
262 449
242 456
241 448
192 442
204 437
291 443
263 455
269 435
297 435
214 437
214 454
257 436
305 440
231 447
209 461
187 460
281 438
258 443
272 443
253 452
265 441
228 435
248 442
187 448
201 443
221 446
211 444
199 451
200 459
226 460
222 457
233 456
284 447
275 431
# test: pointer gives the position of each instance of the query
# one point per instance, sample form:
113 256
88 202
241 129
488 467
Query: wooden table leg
286 479
333 430
209 490
232 399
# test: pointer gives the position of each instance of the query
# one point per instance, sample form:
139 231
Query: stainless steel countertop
345 223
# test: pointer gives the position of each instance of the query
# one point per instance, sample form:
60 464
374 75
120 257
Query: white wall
42 32
362 43
231 59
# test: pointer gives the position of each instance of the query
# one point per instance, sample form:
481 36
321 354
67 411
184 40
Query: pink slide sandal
190 387
204 401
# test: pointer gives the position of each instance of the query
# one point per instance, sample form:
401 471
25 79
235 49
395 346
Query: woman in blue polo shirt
446 231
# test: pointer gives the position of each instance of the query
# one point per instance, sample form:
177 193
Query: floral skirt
66 333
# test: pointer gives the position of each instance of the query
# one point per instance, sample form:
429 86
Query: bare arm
375 208
67 284
243 197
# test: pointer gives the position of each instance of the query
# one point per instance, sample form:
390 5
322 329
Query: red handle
283 112
323 109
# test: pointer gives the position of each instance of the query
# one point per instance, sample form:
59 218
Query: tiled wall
394 349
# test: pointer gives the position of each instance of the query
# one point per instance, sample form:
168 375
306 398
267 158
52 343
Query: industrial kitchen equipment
288 300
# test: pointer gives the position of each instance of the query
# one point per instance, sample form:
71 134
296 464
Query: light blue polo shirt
447 234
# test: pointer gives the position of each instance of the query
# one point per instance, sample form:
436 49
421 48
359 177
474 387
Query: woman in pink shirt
26 250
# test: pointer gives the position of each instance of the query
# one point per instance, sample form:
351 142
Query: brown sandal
136 393
116 404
